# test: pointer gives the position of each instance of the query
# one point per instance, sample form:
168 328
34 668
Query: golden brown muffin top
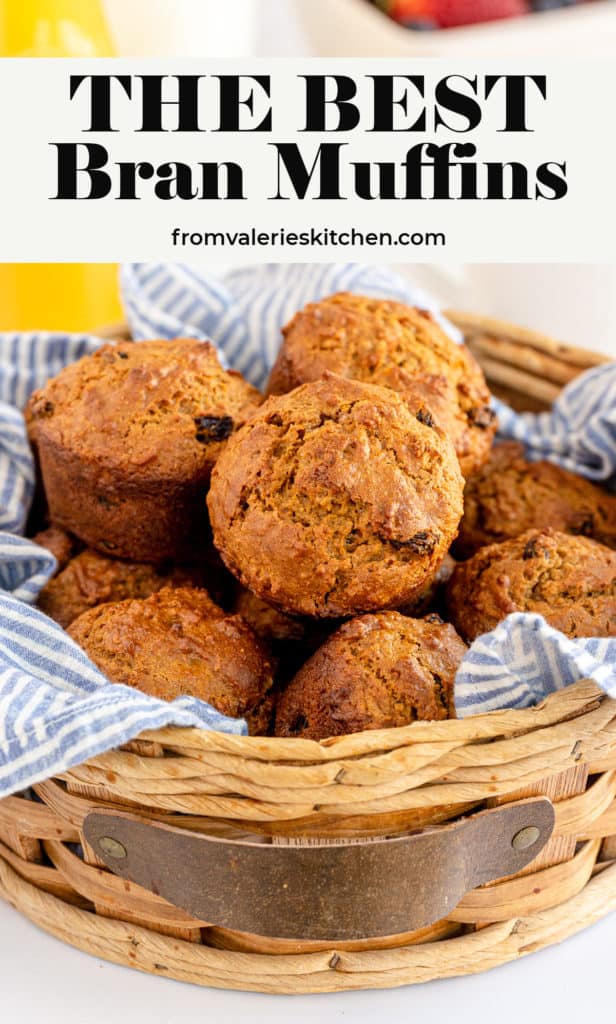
510 495
91 579
157 408
335 499
571 581
178 643
376 672
385 342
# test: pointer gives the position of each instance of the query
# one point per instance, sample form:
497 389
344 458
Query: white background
41 980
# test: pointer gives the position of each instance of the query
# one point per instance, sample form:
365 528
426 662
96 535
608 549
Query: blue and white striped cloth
520 662
56 709
578 433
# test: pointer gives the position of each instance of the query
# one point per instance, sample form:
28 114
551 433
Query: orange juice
53 28
56 296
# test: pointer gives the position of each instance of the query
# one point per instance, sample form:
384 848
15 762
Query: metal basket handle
319 889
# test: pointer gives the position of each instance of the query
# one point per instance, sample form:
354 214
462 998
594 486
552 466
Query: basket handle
318 889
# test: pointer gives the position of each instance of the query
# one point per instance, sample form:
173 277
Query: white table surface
42 980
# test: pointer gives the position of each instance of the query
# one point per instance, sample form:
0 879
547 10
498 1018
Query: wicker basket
276 865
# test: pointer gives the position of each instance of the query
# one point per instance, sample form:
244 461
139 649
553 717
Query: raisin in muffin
387 343
127 438
569 580
335 499
510 495
376 672
91 579
177 643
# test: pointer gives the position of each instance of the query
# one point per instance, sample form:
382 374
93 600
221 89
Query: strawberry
453 13
410 10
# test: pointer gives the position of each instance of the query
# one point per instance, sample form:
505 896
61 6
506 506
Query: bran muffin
432 596
60 543
510 495
267 621
178 643
335 499
387 343
292 640
376 672
91 579
127 438
569 580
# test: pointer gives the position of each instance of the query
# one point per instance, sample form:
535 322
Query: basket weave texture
377 783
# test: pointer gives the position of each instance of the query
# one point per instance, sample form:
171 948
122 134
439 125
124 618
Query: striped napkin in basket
56 709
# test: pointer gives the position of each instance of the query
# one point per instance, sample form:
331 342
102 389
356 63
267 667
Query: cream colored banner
419 160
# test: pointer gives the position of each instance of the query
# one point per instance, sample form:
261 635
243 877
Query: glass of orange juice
56 296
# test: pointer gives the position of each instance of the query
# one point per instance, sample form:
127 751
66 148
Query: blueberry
550 5
419 24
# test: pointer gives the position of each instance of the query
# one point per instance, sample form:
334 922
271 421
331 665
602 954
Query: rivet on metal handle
525 838
112 848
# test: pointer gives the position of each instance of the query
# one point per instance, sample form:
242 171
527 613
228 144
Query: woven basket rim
469 321
486 726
